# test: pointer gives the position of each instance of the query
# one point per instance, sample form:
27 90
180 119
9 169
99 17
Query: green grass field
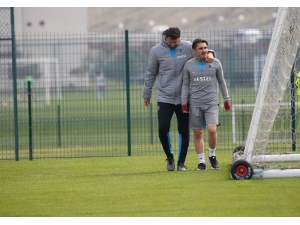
139 186
111 184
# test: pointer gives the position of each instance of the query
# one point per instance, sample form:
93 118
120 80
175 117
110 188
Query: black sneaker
181 166
170 164
214 163
201 166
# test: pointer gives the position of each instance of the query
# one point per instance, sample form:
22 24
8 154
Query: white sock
212 152
201 158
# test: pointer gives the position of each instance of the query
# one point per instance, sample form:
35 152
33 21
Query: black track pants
165 113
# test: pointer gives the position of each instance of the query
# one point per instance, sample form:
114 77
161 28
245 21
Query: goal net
276 109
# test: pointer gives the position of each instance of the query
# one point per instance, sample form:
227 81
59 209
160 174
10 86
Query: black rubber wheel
241 170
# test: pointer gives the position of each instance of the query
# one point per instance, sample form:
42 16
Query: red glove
184 108
227 106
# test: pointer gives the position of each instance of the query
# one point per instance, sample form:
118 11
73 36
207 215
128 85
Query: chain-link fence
63 113
7 123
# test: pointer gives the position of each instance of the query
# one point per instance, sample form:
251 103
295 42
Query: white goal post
256 159
48 74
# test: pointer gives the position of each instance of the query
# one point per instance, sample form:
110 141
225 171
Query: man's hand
227 106
147 101
184 108
209 57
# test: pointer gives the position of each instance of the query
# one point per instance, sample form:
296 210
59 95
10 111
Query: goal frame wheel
241 170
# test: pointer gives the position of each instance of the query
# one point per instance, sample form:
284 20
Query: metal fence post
14 71
29 119
293 111
127 93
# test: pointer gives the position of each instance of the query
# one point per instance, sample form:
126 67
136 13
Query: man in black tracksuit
165 64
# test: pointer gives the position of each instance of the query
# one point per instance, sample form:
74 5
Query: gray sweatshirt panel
165 66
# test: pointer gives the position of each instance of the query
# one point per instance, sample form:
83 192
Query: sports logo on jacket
181 56
206 78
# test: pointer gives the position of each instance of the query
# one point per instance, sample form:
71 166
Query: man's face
201 50
172 42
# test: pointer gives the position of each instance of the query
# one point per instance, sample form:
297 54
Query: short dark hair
172 32
198 40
